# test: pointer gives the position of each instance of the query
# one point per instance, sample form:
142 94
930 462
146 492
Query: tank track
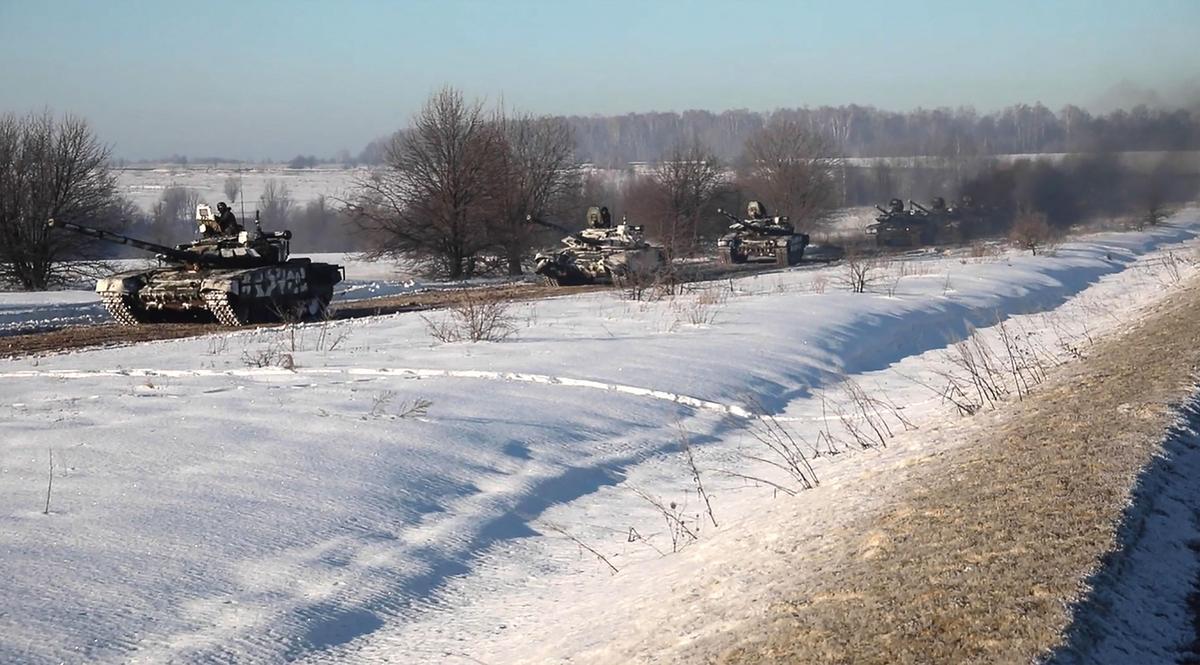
118 308
219 304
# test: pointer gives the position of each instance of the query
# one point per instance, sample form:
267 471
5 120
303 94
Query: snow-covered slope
394 499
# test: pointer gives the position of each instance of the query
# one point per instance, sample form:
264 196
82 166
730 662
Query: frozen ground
393 499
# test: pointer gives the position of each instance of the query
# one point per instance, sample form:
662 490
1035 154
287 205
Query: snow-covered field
395 499
145 186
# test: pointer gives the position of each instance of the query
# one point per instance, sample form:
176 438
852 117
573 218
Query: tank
979 221
943 226
601 254
235 279
916 227
760 237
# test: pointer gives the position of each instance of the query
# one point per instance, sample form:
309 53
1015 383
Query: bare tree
533 171
687 180
275 204
173 213
319 226
233 188
796 170
51 169
432 199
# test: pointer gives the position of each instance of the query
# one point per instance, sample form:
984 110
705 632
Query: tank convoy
601 254
238 279
760 236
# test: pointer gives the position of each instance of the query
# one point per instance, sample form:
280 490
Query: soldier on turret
226 221
599 218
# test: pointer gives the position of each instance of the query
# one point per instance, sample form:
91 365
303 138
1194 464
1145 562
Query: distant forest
864 131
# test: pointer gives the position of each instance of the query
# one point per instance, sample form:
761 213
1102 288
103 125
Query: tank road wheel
120 307
223 308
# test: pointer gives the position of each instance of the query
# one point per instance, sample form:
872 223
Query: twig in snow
49 481
580 543
691 462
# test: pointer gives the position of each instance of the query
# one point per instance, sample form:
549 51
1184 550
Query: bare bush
863 270
381 407
778 449
1032 232
681 527
982 376
475 316
700 307
272 354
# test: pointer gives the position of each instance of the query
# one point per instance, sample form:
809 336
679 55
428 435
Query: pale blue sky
273 78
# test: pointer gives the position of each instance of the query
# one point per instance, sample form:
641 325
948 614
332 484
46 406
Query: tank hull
783 250
572 267
295 290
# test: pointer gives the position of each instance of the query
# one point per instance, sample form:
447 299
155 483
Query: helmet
222 206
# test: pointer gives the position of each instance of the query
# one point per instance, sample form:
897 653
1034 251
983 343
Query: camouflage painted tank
238 279
761 237
601 254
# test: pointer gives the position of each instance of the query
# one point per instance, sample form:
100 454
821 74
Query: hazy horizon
269 80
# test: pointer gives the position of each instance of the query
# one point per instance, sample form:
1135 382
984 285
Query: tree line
866 131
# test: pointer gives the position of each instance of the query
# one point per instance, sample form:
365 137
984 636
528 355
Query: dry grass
979 560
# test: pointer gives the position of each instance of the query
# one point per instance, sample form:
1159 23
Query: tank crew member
226 221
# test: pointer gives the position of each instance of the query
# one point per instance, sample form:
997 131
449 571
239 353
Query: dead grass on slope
981 557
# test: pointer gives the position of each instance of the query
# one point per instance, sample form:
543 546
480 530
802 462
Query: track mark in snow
400 372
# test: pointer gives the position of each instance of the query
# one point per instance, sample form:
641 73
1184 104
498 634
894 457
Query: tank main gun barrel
918 206
117 238
881 209
733 219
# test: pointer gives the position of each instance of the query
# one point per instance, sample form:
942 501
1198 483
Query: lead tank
236 279
760 236
601 254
